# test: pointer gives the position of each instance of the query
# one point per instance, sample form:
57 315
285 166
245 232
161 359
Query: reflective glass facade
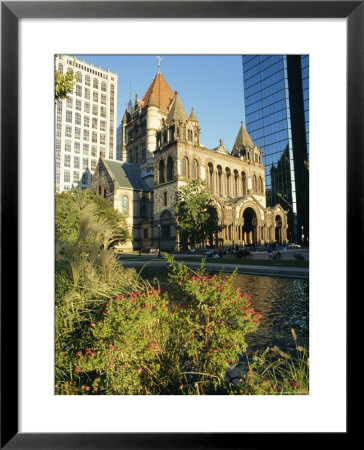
276 95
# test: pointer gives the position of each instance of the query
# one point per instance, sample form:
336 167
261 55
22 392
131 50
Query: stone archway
250 226
278 229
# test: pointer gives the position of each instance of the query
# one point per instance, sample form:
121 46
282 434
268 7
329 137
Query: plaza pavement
213 265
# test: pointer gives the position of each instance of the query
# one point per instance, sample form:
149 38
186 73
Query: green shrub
177 342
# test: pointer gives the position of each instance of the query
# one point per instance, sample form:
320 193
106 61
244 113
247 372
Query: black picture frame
11 12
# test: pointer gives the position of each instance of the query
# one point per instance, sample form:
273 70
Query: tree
196 216
64 84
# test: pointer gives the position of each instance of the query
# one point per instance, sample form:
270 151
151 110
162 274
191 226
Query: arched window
236 189
194 169
169 169
161 171
260 185
105 192
99 190
228 182
165 198
185 167
211 177
219 180
243 183
125 206
254 183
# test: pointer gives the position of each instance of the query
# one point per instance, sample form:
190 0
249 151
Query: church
160 152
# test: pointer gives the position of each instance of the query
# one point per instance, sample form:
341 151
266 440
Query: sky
211 84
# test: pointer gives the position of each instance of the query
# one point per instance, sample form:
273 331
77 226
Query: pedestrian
270 251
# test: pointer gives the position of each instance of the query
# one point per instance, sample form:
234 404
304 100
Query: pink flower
180 282
76 369
79 353
92 324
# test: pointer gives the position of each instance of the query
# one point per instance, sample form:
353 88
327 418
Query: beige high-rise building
85 123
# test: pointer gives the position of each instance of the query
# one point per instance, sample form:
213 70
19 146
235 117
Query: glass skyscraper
276 97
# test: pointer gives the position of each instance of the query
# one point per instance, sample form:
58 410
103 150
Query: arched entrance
250 226
278 229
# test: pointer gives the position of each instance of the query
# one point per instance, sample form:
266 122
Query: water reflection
282 301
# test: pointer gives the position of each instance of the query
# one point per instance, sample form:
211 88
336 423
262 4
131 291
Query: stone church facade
162 142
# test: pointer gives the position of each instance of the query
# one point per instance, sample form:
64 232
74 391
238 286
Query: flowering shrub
177 342
211 324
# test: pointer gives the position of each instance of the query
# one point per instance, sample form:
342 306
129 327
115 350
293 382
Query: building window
103 86
86 121
69 101
169 169
105 192
94 137
84 163
219 179
67 145
77 133
78 105
99 190
165 198
67 160
185 167
190 135
87 80
142 208
228 179
161 171
78 119
243 183
87 93
102 111
194 169
78 90
68 131
76 147
102 125
67 176
254 183
86 107
95 96
69 116
94 150
76 177
94 123
236 191
86 135
103 99
76 162
85 149
125 205
95 83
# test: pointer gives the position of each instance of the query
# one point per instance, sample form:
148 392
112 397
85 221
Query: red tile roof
162 93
